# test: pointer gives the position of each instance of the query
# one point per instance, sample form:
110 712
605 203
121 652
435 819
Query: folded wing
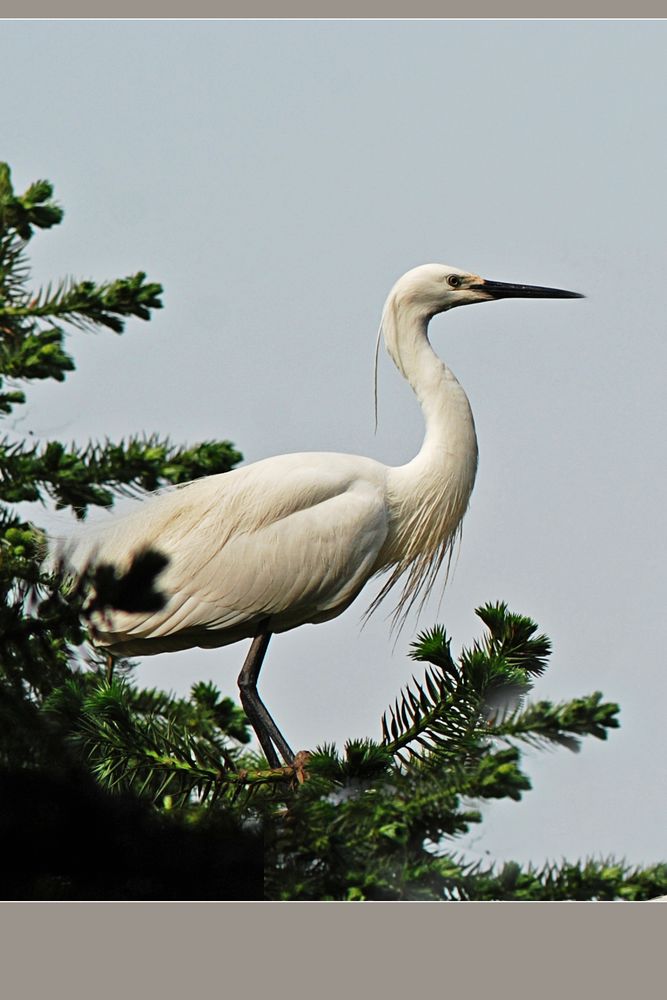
269 546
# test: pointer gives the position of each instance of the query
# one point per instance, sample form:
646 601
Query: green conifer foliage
61 834
111 791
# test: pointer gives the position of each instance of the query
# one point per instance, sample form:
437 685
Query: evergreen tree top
164 796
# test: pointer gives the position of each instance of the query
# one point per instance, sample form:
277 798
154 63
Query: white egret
294 538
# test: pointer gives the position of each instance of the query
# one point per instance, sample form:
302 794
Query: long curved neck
428 497
450 443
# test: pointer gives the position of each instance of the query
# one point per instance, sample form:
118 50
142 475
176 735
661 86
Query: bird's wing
280 542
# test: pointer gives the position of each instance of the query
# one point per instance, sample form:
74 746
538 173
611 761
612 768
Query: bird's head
432 288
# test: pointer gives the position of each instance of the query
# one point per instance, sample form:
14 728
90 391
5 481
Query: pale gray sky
277 177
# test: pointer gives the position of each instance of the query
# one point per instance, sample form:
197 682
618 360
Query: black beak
505 290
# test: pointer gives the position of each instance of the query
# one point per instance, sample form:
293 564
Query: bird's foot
299 765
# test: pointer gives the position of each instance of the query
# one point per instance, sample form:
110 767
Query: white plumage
265 543
294 538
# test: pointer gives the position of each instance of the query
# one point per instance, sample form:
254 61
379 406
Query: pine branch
18 214
145 741
205 711
606 879
542 723
493 775
512 638
27 349
33 354
14 272
156 759
450 711
87 305
437 714
80 477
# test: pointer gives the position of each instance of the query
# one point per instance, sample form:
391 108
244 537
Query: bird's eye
454 281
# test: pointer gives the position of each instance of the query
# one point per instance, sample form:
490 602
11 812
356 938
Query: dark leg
268 734
110 666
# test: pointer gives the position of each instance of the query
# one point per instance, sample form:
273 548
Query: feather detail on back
285 541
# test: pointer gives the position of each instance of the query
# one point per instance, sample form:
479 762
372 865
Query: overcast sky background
277 177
